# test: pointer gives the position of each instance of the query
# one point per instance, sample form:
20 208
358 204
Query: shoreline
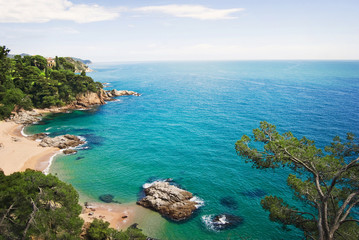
18 153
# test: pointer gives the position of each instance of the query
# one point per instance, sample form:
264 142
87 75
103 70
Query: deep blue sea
185 125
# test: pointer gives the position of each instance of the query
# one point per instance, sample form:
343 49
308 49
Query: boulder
116 93
169 200
26 117
61 142
69 151
226 221
38 136
89 99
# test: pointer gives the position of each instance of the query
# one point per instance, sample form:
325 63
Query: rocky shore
83 101
66 142
108 95
169 200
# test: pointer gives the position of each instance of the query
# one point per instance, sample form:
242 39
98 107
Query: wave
47 169
23 133
207 220
198 200
214 226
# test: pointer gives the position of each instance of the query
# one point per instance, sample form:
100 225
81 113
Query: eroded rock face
169 200
89 99
26 117
116 93
61 142
69 151
38 136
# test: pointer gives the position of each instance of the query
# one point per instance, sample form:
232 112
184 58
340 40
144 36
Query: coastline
17 153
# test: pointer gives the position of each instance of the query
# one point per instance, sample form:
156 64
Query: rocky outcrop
222 221
26 117
88 99
61 142
116 93
69 151
169 200
38 136
108 95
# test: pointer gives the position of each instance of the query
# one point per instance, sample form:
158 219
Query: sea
185 125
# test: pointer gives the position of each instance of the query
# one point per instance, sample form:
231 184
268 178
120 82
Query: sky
161 30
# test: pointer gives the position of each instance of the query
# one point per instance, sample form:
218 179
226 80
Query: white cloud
39 11
192 11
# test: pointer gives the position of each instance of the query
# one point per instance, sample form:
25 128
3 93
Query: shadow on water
229 202
93 139
255 193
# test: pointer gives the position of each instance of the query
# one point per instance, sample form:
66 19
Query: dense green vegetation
36 206
326 182
99 230
27 82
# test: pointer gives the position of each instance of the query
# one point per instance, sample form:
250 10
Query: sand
17 153
120 216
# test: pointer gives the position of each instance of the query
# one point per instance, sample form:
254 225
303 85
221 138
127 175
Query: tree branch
341 171
349 220
348 210
303 213
341 209
7 212
32 216
297 160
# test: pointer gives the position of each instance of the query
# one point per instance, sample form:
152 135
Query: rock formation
107 95
88 99
226 221
69 151
61 142
169 200
39 136
26 117
116 93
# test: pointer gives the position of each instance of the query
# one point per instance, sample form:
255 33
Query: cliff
79 65
88 99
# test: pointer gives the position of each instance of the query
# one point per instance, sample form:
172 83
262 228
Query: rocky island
170 201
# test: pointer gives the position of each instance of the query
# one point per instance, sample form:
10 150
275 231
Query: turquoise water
185 125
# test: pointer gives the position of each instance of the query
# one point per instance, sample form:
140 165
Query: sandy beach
18 153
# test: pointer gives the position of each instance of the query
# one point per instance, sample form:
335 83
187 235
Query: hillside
79 64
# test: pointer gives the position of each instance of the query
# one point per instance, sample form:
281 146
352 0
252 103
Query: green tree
4 64
100 230
327 182
39 61
36 206
57 63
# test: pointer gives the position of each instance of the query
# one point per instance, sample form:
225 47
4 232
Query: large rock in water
116 93
169 200
61 142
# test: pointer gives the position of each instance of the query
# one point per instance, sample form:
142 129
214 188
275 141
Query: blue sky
108 30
